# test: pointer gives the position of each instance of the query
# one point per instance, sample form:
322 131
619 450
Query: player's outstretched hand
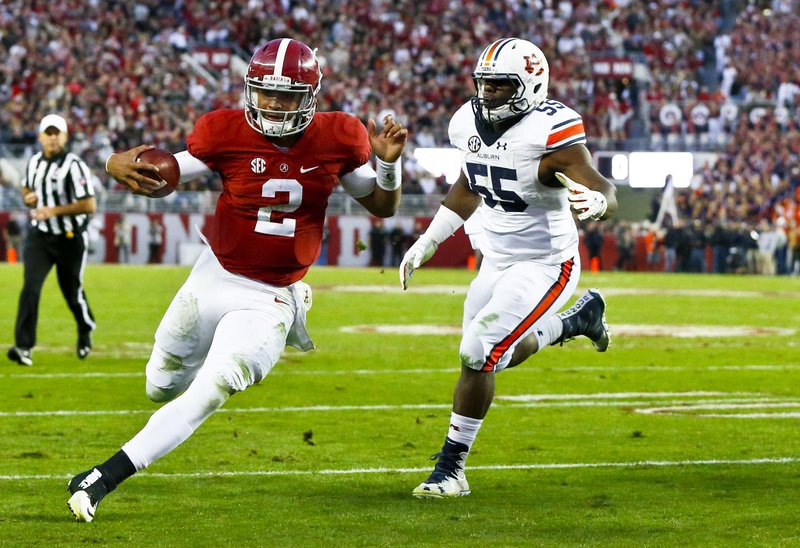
422 250
387 145
134 175
588 203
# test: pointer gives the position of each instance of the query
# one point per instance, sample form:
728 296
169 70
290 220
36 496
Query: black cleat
84 347
587 317
87 489
20 355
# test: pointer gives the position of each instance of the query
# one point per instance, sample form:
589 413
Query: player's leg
185 333
247 344
37 265
585 317
473 396
519 297
70 265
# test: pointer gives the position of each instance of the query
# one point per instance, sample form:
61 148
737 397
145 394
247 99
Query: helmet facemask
492 110
277 123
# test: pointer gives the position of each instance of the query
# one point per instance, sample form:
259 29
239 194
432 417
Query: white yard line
281 370
607 291
359 471
686 331
707 410
580 401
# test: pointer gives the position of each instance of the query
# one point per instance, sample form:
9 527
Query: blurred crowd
721 76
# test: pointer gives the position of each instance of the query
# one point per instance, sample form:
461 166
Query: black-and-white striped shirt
60 180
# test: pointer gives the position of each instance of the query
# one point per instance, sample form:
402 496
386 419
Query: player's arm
87 205
190 167
29 197
366 187
388 145
459 204
461 199
135 175
124 168
591 194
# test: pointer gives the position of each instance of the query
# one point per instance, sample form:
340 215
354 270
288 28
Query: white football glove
422 250
589 204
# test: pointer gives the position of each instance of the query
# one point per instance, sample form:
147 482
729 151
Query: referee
58 189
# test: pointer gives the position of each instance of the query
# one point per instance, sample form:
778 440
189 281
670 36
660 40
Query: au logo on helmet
531 64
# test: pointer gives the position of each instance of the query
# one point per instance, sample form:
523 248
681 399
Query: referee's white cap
53 120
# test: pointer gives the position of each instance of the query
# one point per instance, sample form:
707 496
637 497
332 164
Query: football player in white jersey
524 158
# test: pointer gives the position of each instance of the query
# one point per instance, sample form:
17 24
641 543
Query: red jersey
269 218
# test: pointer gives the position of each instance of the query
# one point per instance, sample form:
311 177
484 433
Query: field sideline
684 433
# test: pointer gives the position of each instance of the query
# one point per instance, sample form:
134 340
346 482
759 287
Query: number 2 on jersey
270 189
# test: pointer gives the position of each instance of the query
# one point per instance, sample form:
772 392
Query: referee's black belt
63 236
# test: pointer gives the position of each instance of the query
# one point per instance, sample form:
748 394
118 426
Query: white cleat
81 506
447 487
87 489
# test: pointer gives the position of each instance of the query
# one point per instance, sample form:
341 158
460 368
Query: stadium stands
720 77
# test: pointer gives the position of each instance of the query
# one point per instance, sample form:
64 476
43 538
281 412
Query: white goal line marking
287 370
382 470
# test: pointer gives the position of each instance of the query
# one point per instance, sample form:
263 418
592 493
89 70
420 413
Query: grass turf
327 449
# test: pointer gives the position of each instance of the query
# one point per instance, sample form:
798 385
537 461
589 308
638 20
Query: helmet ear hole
536 88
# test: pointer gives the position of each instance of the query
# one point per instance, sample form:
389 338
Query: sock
549 331
463 429
116 470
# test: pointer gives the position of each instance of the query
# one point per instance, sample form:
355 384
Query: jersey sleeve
353 136
459 126
30 172
567 130
81 179
200 142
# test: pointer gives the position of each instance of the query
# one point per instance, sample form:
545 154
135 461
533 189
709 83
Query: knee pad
478 348
158 394
234 371
471 352
166 375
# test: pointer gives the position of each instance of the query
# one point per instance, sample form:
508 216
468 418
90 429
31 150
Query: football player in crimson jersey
524 160
244 301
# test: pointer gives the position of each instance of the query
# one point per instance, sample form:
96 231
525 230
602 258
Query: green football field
686 432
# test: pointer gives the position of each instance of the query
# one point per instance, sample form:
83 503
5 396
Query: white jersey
522 218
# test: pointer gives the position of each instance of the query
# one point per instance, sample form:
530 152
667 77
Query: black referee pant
42 251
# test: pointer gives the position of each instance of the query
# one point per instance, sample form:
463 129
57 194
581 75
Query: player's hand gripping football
422 250
387 145
589 204
134 175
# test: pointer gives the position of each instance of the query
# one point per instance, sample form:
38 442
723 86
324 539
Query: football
168 170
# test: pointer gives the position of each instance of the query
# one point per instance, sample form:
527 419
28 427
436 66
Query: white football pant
503 306
221 333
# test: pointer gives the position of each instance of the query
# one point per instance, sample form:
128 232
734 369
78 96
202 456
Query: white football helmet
519 61
284 66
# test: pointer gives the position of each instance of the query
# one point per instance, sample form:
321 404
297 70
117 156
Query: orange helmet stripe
490 54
